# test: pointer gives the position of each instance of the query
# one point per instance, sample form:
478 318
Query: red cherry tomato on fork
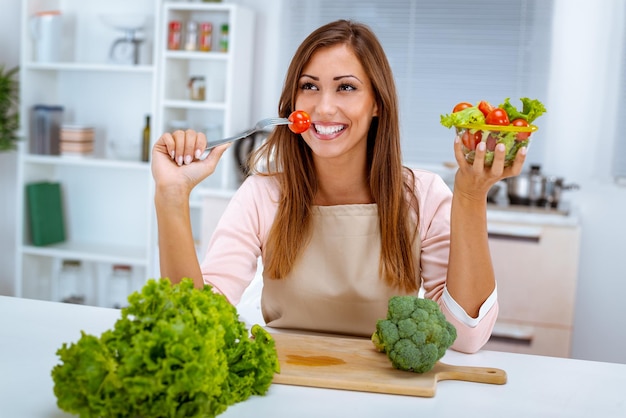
300 121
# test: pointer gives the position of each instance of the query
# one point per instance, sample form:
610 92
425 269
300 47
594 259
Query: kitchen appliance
45 29
535 189
354 364
125 50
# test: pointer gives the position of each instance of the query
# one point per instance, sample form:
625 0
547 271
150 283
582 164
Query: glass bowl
513 138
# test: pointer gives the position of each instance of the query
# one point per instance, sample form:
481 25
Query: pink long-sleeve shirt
230 263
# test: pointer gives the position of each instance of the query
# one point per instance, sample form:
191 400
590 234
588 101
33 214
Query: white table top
31 332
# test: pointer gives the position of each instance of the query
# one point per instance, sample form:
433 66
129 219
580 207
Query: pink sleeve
230 262
435 204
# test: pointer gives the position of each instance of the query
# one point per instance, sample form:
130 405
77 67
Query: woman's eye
346 87
308 86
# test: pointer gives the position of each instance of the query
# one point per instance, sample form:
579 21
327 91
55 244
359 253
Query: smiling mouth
329 130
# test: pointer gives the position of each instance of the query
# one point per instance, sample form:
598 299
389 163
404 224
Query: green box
45 213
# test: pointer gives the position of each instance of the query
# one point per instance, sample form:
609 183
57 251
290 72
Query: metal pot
535 189
525 189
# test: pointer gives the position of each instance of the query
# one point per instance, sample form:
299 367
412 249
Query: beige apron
334 287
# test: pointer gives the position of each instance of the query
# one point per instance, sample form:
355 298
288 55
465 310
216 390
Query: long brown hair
392 185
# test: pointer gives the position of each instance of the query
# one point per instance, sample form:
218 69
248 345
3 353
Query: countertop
31 331
566 215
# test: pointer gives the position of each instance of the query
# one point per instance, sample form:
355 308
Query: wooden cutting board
354 364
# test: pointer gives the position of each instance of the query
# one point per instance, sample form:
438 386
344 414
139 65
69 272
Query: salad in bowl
504 124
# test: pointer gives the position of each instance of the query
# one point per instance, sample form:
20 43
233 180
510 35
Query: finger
458 152
215 155
201 143
179 146
167 143
518 162
191 145
479 158
497 166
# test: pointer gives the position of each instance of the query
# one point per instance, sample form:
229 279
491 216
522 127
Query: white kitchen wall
584 88
579 128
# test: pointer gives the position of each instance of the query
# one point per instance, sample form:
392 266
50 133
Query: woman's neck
342 185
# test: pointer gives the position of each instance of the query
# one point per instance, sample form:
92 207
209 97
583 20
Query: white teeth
328 130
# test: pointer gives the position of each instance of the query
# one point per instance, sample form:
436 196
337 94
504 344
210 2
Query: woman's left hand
474 180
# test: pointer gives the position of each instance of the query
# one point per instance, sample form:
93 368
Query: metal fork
260 125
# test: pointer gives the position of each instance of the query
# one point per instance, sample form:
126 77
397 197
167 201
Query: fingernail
172 154
456 139
179 160
523 150
501 147
198 153
481 146
188 159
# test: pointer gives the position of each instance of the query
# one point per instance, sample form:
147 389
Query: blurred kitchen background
570 54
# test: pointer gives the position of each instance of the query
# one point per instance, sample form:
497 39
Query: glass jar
71 277
206 36
224 38
174 35
191 38
197 88
119 285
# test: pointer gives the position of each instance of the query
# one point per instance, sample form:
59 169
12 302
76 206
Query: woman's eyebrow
339 77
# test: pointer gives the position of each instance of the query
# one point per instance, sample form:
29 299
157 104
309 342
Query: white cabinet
108 195
224 109
536 267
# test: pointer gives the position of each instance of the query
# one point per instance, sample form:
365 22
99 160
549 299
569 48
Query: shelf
94 67
91 252
88 162
108 198
196 55
198 7
191 104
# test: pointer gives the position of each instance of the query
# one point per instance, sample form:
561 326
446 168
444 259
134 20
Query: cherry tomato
521 135
300 121
470 140
461 106
497 116
485 107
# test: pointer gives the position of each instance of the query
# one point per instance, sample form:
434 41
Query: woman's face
337 93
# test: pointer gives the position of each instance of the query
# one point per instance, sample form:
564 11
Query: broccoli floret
415 334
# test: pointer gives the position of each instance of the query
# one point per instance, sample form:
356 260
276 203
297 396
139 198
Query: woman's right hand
175 163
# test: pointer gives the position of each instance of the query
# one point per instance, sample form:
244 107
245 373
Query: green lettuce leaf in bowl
469 116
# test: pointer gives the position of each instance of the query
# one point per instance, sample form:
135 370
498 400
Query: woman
340 224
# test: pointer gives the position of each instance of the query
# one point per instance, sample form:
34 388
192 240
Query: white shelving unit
108 196
225 111
228 74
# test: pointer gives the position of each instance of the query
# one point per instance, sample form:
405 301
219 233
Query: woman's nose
326 104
